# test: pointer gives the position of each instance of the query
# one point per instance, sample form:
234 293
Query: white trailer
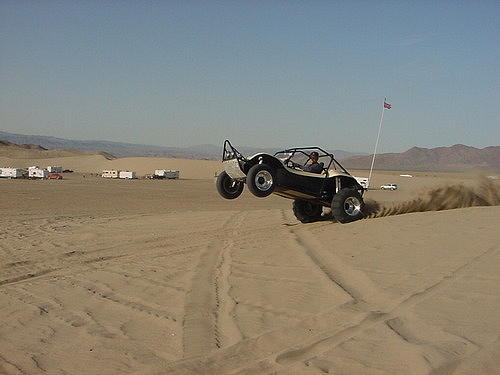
54 169
37 173
171 174
127 174
363 181
159 173
166 173
11 172
110 173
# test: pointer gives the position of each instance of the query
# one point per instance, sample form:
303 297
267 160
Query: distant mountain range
454 158
120 149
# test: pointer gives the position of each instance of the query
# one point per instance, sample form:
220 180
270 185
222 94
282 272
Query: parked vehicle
110 173
54 176
172 174
389 187
127 175
54 169
363 181
283 174
36 172
12 172
166 173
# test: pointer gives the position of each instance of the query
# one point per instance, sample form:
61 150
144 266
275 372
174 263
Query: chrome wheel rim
263 180
352 206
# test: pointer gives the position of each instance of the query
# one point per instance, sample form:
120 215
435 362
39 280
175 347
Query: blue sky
261 73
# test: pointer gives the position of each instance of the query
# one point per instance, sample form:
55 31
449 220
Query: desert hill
23 146
454 158
24 156
94 163
33 151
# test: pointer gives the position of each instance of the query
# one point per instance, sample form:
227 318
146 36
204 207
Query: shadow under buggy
285 174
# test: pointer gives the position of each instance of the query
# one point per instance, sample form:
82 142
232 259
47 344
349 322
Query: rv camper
166 173
159 173
35 172
110 174
54 169
171 174
11 172
127 174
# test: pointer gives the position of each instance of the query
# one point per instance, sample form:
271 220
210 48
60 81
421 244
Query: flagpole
376 143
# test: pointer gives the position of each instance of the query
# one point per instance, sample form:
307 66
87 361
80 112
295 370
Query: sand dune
197 169
31 151
165 277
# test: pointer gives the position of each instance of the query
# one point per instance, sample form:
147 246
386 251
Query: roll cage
331 162
229 153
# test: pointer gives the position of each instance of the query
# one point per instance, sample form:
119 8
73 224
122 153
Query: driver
314 166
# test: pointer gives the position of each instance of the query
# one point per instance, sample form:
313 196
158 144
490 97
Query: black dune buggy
283 174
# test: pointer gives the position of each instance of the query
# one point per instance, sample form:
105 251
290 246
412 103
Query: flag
387 105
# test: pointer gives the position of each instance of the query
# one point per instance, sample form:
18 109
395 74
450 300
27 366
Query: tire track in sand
274 351
227 330
353 282
379 305
206 309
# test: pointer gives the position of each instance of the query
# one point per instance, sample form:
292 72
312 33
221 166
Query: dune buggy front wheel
261 180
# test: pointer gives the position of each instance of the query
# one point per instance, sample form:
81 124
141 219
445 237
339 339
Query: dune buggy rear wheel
306 212
227 187
347 206
261 180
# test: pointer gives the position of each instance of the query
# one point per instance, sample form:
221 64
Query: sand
165 277
94 163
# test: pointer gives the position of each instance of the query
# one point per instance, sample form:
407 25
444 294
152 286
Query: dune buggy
283 174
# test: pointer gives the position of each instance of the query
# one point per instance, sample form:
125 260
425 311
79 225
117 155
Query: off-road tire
227 187
305 211
347 206
261 180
